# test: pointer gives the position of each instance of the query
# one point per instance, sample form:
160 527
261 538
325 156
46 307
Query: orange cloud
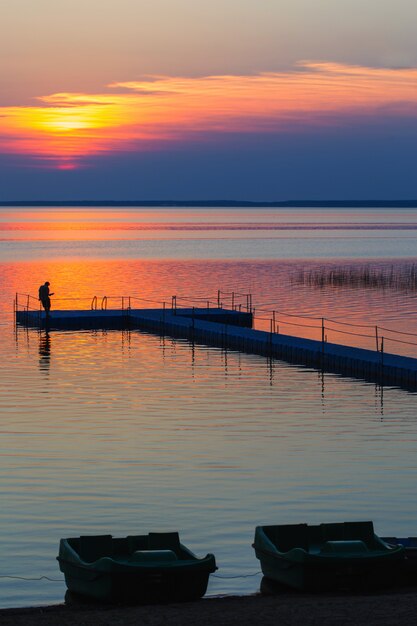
65 127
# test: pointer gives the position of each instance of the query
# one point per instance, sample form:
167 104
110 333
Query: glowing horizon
141 115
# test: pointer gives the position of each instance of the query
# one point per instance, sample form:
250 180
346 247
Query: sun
65 130
68 120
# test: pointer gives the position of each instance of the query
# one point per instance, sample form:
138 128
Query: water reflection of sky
124 432
127 432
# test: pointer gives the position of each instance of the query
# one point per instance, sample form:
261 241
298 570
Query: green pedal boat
135 569
327 556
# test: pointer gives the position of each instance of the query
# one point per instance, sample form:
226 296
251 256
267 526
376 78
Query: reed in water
402 277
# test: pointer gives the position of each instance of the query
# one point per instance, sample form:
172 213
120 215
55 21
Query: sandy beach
284 609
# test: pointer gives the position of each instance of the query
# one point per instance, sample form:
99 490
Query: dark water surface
125 432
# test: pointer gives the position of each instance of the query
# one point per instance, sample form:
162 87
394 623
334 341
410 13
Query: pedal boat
140 569
327 556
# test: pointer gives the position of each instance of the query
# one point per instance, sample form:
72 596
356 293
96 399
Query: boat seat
333 532
344 547
363 531
137 542
95 547
287 537
164 541
153 556
349 531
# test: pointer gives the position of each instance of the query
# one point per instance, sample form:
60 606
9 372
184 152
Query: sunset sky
244 100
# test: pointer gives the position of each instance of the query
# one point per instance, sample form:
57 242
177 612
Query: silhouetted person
44 297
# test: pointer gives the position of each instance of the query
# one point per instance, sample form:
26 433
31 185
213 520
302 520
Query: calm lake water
126 432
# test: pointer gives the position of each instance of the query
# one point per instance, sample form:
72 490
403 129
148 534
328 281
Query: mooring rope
240 576
53 580
61 580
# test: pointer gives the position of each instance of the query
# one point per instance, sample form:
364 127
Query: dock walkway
231 329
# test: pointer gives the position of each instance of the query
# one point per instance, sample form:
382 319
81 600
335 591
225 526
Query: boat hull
155 576
137 587
319 576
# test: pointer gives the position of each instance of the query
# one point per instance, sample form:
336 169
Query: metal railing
27 304
321 328
274 321
231 300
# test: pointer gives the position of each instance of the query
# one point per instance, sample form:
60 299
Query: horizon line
411 203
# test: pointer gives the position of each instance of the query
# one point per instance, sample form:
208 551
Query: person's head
47 283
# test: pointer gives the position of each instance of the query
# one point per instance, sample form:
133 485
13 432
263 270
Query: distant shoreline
335 204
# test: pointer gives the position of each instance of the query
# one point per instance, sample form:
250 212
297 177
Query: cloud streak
63 129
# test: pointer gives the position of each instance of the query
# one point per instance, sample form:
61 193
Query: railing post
273 319
382 351
233 300
376 337
247 303
322 334
218 298
128 301
123 303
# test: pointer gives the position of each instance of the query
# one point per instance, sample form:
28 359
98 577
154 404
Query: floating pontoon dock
232 329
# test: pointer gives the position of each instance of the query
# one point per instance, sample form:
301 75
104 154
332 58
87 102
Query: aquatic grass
396 277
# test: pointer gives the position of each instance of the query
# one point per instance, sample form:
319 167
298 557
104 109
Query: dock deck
232 329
